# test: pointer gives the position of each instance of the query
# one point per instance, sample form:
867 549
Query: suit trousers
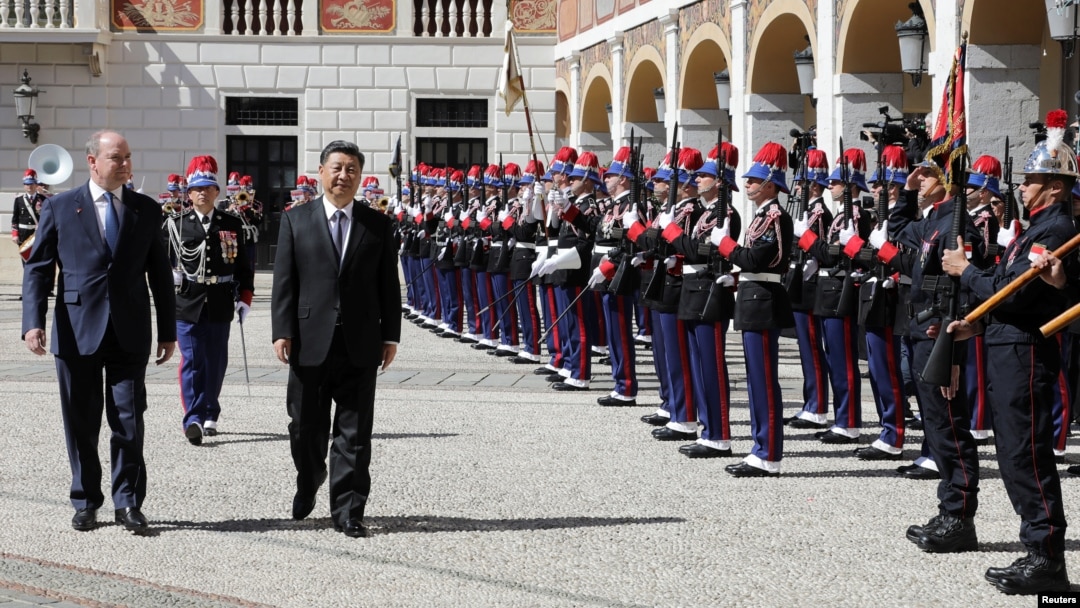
123 398
809 334
310 392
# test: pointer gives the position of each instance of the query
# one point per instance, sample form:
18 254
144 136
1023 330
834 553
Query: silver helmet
1053 159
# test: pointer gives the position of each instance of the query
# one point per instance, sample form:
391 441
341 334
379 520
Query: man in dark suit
336 315
105 241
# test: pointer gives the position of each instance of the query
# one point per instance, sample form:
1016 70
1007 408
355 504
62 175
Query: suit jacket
229 260
94 287
312 294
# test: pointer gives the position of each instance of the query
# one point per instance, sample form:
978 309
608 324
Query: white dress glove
670 262
725 280
242 310
879 235
719 233
481 215
1008 234
638 259
630 217
597 277
664 219
503 215
526 195
558 199
449 216
800 227
464 214
847 233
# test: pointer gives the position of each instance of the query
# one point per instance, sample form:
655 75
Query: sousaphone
52 163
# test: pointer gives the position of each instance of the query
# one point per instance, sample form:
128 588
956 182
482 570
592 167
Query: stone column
1005 79
740 135
574 60
858 99
618 57
670 22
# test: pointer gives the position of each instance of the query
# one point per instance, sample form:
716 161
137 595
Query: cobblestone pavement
489 489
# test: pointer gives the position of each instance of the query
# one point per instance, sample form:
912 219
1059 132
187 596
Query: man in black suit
105 241
336 315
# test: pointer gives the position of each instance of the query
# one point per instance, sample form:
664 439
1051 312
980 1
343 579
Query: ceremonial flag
950 135
511 84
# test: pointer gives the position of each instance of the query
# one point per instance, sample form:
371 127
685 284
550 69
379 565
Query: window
459 153
281 111
468 113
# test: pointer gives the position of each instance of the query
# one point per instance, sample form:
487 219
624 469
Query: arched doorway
700 115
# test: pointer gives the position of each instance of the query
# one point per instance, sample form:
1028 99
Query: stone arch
870 24
644 73
562 111
708 50
595 95
777 36
1004 22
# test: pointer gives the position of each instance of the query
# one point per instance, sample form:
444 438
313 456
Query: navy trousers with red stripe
1062 410
946 426
676 354
883 359
842 354
433 303
709 371
505 314
619 323
660 361
524 296
555 337
450 295
761 350
574 328
468 296
485 295
976 385
808 333
1022 380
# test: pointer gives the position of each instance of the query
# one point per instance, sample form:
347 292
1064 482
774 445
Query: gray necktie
339 233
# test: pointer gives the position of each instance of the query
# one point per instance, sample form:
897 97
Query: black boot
1039 574
951 535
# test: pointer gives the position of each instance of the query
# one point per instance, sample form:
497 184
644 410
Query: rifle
793 280
655 289
1010 211
395 167
946 289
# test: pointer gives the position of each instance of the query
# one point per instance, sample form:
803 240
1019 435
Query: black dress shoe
542 371
84 520
482 346
449 334
917 472
916 424
832 437
697 450
467 340
1031 574
563 386
796 422
193 432
872 453
502 352
303 503
554 377
745 469
522 360
210 431
669 434
132 519
951 535
1074 470
982 441
605 360
655 419
353 528
609 401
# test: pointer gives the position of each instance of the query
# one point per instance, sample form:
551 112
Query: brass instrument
382 203
242 197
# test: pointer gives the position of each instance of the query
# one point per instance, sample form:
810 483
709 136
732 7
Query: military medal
228 245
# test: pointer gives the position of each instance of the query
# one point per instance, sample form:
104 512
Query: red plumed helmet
246 181
370 182
492 171
817 160
773 156
855 159
234 177
1057 119
987 165
512 170
622 155
534 168
649 172
690 159
202 172
895 157
565 159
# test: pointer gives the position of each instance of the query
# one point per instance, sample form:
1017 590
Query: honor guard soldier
443 223
801 282
577 329
213 280
431 315
480 261
250 211
837 298
371 190
946 415
553 179
505 181
24 215
1023 365
707 302
883 314
613 275
463 255
983 184
762 308
522 224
